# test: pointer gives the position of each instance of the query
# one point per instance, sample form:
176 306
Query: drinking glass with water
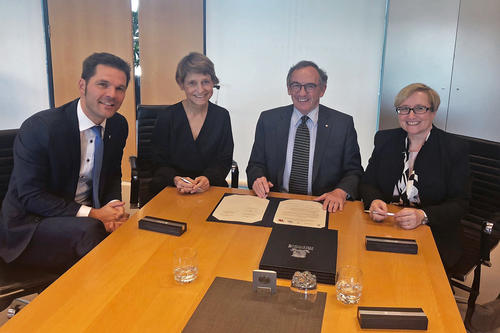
185 265
349 284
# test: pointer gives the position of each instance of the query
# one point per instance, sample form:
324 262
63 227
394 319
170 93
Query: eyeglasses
297 87
204 83
405 110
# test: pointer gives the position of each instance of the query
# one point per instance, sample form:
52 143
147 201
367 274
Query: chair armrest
488 241
235 174
133 163
134 182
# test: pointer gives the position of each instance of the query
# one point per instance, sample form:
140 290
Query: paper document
241 208
301 213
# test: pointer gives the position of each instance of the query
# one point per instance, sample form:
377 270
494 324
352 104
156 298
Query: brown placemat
232 306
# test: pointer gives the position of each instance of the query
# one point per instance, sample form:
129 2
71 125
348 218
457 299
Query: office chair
480 234
142 164
16 281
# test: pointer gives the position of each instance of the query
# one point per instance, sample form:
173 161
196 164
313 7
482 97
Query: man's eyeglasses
405 110
297 87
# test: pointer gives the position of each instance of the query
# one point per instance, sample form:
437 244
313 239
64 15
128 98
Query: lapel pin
326 125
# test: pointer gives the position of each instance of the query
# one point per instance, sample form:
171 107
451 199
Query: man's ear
322 92
81 86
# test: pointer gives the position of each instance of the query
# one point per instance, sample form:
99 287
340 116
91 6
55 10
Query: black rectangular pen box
162 225
398 245
392 318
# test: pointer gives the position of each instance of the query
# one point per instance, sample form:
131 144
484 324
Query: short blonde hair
198 63
410 89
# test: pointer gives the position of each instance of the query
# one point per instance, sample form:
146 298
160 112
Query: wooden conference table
126 283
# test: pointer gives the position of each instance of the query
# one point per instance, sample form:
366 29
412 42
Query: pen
185 180
379 213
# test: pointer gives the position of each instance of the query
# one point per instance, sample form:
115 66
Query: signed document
301 213
241 208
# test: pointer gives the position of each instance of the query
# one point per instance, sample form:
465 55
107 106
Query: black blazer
176 153
46 171
442 165
336 164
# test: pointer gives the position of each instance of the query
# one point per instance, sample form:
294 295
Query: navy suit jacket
336 164
46 170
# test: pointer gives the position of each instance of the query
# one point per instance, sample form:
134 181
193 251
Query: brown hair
198 63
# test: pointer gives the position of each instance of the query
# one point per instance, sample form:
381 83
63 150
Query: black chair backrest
147 115
485 173
485 202
6 159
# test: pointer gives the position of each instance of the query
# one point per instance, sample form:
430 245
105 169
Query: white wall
254 43
419 48
23 73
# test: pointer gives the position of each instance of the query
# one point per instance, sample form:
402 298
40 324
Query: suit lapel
322 139
282 131
73 142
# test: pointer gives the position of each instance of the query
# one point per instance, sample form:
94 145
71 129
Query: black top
443 171
176 153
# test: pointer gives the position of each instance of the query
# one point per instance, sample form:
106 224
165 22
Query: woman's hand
409 218
378 210
183 186
201 184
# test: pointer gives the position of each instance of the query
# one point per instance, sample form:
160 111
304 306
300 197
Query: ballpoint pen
185 180
379 213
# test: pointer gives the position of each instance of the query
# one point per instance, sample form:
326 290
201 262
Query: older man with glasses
305 147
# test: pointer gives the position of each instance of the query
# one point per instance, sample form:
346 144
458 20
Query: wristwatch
426 219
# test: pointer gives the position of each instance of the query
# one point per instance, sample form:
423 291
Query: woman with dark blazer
192 144
421 168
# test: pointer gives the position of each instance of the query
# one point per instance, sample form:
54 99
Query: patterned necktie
96 171
300 160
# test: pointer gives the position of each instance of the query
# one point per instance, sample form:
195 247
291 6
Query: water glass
349 284
185 265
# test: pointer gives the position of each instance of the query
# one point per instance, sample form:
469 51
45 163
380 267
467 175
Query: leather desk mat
232 306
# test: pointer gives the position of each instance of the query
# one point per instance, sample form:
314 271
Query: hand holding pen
378 210
189 185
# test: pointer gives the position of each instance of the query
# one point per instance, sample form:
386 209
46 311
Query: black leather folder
291 248
267 219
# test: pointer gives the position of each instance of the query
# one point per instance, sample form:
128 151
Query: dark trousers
59 242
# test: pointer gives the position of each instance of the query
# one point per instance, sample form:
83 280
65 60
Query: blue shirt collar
313 115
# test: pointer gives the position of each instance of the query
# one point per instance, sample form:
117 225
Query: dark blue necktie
300 160
96 171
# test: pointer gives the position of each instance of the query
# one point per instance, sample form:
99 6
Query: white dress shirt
87 136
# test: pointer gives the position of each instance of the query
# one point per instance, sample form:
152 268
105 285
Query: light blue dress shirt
312 124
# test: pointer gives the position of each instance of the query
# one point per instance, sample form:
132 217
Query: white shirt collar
84 123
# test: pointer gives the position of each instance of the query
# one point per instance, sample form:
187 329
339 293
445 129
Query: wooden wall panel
79 28
168 30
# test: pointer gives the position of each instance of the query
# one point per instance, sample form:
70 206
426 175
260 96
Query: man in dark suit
306 148
64 195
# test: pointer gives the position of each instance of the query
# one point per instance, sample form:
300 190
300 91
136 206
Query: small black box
397 245
392 318
161 225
